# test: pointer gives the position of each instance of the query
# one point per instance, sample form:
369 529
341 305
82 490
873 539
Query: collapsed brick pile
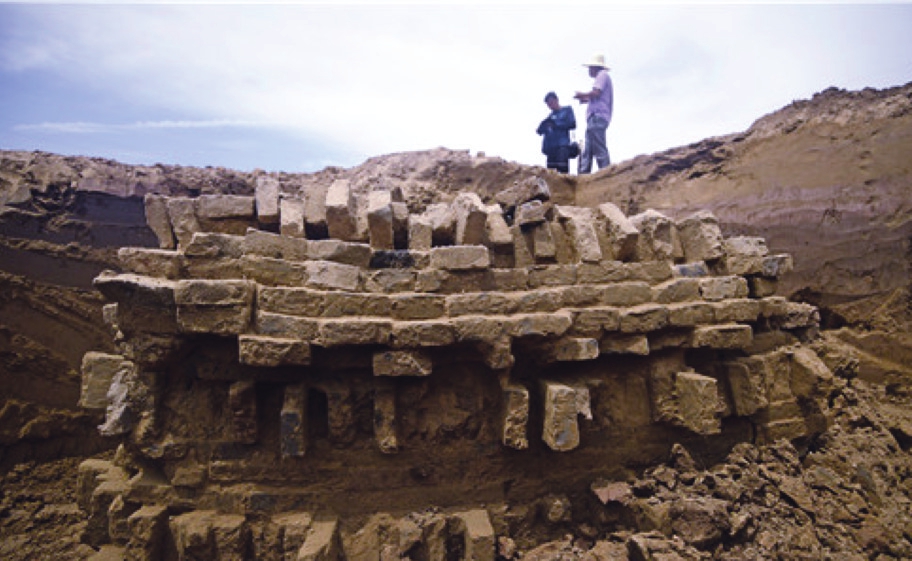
276 344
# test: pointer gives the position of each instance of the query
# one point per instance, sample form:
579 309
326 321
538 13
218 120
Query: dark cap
549 95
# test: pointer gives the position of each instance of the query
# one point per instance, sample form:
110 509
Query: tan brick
677 290
715 289
182 213
271 272
388 281
698 402
731 336
293 421
266 199
567 349
532 213
331 275
552 275
286 326
593 321
412 306
561 408
350 331
291 217
98 370
773 306
621 234
470 218
657 236
625 294
148 526
497 233
460 257
643 318
340 219
541 300
746 381
322 543
497 354
624 344
214 244
479 535
402 363
736 310
744 255
224 206
425 333
163 263
320 303
761 287
652 272
380 219
600 273
547 325
480 328
385 431
356 254
420 233
774 266
263 350
479 303
701 237
528 189
688 314
515 417
222 307
158 220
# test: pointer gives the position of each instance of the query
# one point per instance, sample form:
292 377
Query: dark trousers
559 159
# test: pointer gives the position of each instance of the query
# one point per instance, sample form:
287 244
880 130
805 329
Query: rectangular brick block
402 363
515 417
158 220
98 370
262 350
730 336
414 306
337 332
460 257
291 217
426 333
293 422
643 318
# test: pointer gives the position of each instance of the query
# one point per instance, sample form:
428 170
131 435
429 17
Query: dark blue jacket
556 128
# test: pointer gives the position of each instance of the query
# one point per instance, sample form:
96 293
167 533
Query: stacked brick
298 283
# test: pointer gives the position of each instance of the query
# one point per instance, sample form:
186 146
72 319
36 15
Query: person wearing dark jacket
556 130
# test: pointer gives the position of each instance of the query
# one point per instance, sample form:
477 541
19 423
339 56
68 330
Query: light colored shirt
604 104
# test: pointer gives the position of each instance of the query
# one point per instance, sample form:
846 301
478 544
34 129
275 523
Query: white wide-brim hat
597 60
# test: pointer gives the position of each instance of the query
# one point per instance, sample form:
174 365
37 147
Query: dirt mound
826 180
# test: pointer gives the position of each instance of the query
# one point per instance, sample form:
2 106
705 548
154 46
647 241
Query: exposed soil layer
826 180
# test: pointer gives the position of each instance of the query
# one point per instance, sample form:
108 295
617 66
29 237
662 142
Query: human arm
586 97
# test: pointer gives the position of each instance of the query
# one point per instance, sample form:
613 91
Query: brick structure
258 365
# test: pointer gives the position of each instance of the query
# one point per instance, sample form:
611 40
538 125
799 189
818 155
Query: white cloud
81 127
380 79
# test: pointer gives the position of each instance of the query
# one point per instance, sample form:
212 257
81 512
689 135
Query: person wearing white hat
600 101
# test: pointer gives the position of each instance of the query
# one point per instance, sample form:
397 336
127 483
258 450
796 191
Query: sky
298 86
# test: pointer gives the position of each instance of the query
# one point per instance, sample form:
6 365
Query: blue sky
301 86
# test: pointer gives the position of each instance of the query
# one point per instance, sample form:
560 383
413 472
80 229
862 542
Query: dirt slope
827 180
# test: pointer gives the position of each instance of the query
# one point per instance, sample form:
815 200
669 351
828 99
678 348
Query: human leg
559 159
585 158
596 132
